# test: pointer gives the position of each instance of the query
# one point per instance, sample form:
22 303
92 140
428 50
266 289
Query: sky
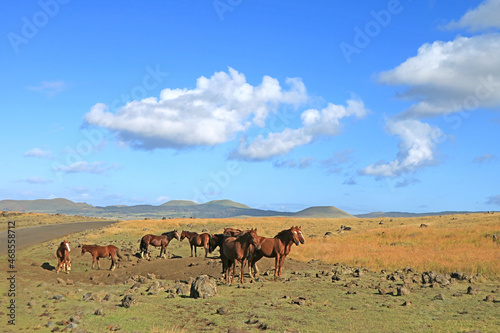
388 105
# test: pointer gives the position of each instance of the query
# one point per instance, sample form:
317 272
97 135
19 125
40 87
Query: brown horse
197 240
62 254
232 231
278 247
102 252
162 241
236 249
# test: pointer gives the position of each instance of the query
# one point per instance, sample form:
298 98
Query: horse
197 240
62 254
278 247
232 231
236 249
162 241
102 252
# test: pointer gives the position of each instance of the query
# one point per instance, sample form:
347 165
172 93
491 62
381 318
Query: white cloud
446 77
210 114
417 144
316 123
37 152
485 16
49 88
85 167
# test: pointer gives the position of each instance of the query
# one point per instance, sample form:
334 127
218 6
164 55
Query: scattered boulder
99 312
203 287
402 291
155 288
439 297
128 301
222 310
472 290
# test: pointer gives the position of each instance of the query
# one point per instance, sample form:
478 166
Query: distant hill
179 203
375 215
170 209
322 211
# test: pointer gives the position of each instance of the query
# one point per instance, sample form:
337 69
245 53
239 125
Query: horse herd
235 245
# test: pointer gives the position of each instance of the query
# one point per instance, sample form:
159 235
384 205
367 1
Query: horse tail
211 246
118 253
143 246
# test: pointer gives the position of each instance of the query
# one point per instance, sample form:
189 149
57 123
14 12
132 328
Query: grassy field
33 219
305 300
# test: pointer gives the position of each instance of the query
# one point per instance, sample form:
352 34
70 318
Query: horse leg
112 268
243 261
234 271
191 249
276 265
282 261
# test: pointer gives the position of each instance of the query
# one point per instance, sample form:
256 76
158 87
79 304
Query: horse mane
168 233
282 233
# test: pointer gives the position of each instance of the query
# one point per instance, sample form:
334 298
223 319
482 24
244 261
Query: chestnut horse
236 249
102 252
278 247
196 240
62 254
162 241
232 231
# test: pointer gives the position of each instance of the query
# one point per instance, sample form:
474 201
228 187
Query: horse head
295 235
65 244
84 249
176 235
301 236
183 235
254 238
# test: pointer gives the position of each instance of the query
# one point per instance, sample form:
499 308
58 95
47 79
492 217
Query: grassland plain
24 220
333 282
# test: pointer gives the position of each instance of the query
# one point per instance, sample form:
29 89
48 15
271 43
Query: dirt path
33 235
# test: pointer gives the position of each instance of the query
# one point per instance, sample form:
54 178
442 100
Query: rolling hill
170 209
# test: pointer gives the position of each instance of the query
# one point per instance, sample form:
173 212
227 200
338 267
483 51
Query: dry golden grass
24 220
448 243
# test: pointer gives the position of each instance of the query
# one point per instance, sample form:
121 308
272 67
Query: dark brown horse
236 249
197 240
162 241
278 247
102 252
62 254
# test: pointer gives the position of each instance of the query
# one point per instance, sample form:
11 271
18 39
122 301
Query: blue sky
366 105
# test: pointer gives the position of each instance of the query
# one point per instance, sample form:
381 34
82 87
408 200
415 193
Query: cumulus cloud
212 113
483 17
446 77
85 167
417 144
37 152
49 88
316 123
485 158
